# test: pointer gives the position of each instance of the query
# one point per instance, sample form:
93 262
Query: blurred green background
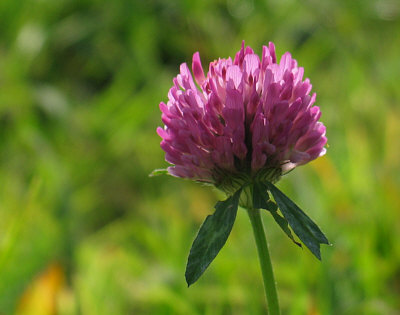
84 230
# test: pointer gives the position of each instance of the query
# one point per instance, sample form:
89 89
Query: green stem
265 261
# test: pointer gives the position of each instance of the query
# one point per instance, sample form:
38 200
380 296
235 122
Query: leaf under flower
211 237
261 200
307 231
260 196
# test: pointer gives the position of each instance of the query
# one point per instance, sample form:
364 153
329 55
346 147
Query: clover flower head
245 118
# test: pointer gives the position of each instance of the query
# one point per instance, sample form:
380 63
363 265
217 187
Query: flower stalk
265 261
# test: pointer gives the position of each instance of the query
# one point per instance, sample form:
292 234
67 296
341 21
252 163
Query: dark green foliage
261 200
302 225
211 237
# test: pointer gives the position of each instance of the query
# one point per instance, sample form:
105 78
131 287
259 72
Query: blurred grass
83 230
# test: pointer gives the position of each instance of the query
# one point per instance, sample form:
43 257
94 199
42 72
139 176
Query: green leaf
158 172
283 223
260 196
211 237
261 200
271 206
308 232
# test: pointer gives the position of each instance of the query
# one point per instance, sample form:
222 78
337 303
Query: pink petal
198 69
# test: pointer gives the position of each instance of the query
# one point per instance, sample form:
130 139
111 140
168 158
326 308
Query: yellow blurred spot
392 134
324 167
313 311
312 308
40 298
333 185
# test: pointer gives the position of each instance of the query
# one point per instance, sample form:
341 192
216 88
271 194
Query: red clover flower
240 128
246 118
